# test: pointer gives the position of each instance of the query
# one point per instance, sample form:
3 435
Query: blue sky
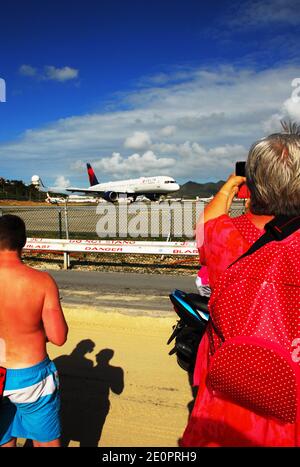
179 87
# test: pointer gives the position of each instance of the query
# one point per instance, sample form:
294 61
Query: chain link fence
143 221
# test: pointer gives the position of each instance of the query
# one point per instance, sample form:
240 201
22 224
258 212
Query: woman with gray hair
273 179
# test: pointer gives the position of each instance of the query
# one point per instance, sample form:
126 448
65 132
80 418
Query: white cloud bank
134 165
60 183
60 74
50 73
193 129
257 12
139 140
168 131
27 70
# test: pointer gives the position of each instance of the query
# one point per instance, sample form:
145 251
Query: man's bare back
30 313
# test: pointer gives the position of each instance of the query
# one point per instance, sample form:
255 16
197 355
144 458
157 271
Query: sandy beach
133 393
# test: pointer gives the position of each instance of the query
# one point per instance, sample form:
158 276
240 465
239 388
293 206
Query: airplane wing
82 190
97 192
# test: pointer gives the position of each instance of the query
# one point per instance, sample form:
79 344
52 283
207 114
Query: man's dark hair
12 233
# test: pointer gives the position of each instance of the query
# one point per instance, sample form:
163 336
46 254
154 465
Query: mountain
203 190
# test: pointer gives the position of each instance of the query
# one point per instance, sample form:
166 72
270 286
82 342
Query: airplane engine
110 196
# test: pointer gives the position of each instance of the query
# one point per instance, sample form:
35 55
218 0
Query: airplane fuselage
142 185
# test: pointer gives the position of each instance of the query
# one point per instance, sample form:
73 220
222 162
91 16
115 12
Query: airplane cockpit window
170 181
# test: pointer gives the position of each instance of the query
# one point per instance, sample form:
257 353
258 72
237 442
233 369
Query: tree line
17 190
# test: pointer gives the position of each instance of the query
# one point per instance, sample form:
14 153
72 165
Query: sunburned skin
30 313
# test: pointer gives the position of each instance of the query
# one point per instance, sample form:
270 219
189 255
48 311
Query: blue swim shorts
31 404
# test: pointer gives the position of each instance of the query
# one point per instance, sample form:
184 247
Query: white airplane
198 198
151 187
54 199
39 185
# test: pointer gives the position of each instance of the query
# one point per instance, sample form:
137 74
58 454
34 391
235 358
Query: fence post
66 254
66 219
66 260
170 231
59 224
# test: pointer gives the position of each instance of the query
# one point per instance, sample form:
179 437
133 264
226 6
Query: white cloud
168 130
139 140
259 13
60 74
291 108
199 128
134 165
196 160
273 11
272 124
49 73
27 70
60 183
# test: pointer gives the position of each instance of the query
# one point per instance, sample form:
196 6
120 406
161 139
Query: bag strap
277 229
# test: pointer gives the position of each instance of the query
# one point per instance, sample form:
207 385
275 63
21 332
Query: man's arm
54 322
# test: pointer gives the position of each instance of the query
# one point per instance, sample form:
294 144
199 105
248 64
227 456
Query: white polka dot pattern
257 378
246 228
259 296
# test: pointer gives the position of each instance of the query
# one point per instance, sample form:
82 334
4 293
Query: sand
139 396
14 202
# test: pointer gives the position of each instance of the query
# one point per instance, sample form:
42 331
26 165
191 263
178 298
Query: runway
53 221
107 220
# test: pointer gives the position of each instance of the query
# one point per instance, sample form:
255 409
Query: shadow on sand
85 392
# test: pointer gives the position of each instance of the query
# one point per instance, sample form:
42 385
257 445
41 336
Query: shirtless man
30 315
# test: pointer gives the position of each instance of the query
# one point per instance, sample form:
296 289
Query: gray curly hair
273 172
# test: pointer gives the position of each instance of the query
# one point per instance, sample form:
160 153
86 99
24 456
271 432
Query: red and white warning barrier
112 246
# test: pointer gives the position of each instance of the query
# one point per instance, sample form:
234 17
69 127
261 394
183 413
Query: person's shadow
85 393
107 378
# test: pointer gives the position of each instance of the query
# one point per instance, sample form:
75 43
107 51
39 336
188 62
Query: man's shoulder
33 273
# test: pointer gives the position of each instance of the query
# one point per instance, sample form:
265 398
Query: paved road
137 293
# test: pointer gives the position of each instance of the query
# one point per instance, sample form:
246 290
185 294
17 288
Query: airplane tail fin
92 177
